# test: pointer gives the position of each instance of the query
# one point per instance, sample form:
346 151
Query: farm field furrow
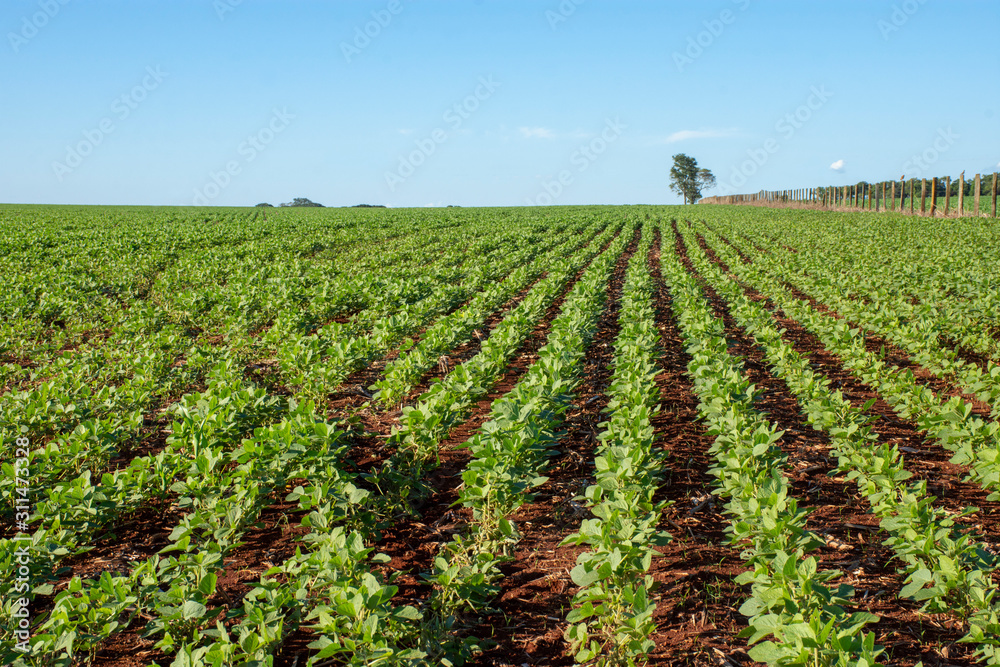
696 615
536 587
788 619
902 329
719 435
929 463
814 399
423 526
955 423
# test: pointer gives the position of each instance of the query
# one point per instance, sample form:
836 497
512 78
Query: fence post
870 196
978 184
934 184
947 195
923 196
994 194
892 206
961 194
912 200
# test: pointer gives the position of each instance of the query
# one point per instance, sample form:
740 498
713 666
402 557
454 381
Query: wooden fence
883 196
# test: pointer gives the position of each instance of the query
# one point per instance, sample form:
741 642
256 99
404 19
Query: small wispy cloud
405 130
838 165
536 132
710 133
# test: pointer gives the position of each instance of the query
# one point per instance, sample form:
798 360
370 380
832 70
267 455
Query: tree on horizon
687 180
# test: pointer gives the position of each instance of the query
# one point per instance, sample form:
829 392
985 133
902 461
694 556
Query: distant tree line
302 201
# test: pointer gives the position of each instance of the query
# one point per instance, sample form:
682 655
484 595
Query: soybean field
700 435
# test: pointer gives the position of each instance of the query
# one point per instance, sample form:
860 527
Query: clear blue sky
237 102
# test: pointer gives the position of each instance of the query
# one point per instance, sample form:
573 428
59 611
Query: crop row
946 568
949 421
795 618
611 620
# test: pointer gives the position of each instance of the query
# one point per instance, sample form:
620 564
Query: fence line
881 196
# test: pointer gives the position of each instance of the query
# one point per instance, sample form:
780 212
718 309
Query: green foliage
688 180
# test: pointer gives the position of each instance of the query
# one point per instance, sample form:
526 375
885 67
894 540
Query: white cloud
536 132
405 131
838 165
683 135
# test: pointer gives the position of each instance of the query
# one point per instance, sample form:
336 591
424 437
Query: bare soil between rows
839 512
697 612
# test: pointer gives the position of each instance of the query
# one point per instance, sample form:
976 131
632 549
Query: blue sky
485 102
